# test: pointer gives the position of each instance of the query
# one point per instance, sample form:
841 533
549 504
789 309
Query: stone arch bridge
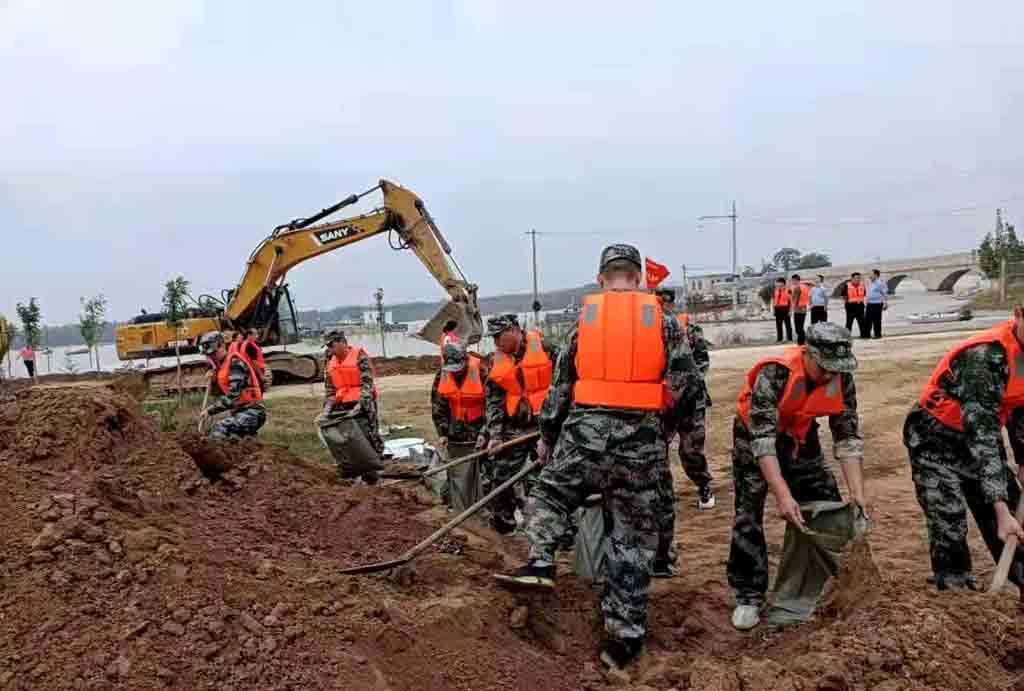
936 273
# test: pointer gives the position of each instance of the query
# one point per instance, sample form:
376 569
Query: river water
905 302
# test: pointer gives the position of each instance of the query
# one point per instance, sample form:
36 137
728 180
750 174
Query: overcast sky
142 140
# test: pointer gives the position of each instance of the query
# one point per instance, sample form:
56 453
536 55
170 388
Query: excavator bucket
470 326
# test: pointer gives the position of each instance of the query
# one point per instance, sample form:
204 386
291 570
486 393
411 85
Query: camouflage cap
210 341
666 294
502 323
614 252
831 347
334 335
453 357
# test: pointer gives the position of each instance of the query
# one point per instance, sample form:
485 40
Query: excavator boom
404 214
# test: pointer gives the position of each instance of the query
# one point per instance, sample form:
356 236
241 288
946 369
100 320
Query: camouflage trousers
629 485
370 425
499 469
809 479
946 491
692 435
245 422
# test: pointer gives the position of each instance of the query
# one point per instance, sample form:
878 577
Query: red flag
655 272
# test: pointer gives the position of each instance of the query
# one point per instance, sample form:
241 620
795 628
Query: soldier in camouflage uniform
460 437
768 454
616 451
364 406
959 463
511 340
692 428
242 394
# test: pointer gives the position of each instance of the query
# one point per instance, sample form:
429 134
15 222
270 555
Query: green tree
814 260
997 245
175 294
787 258
91 323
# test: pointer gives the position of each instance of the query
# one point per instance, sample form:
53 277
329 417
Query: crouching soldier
953 435
238 389
457 408
776 448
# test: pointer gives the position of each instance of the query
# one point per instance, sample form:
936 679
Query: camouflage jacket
441 412
366 398
764 415
978 378
238 380
500 425
630 432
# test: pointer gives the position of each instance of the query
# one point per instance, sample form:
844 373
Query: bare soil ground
124 566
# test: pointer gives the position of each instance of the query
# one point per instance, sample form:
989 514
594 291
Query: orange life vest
620 352
805 295
250 394
259 362
797 409
856 293
684 320
534 380
467 400
781 297
345 377
947 409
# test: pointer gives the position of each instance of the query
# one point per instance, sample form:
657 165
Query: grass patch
990 300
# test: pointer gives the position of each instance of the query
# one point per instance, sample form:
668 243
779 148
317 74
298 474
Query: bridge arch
950 280
893 282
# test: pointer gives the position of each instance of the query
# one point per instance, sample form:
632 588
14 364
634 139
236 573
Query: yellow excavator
5 339
261 299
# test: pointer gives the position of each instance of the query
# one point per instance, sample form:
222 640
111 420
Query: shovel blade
375 567
470 326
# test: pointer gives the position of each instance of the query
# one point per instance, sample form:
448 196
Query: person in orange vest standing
782 297
604 427
954 437
801 301
854 296
238 390
776 449
516 387
349 388
457 406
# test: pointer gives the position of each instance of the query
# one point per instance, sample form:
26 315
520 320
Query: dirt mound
122 565
407 364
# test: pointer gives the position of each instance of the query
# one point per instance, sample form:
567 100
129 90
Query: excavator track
284 368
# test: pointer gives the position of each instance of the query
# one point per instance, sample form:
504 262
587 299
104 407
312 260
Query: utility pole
536 302
735 278
686 292
379 295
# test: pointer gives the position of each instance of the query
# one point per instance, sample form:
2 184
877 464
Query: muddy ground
124 566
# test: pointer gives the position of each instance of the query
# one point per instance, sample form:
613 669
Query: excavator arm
402 213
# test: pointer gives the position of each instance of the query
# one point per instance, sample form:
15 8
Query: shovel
416 550
479 454
1006 558
206 397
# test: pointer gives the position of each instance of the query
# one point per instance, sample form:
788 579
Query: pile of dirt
407 364
123 565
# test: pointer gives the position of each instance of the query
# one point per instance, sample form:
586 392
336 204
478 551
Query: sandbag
465 486
810 558
589 556
352 452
